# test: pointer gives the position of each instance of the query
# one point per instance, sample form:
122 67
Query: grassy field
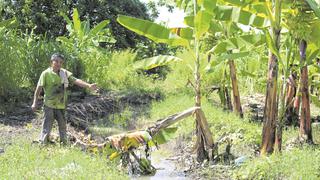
24 160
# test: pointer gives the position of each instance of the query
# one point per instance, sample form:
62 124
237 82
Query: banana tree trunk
305 120
228 99
296 103
291 92
281 114
236 96
204 143
271 104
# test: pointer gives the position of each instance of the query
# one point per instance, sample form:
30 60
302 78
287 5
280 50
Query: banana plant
163 34
304 20
81 36
231 49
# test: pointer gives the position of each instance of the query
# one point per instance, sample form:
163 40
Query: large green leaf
241 43
189 20
238 15
271 45
98 27
234 14
201 23
315 33
153 31
223 57
315 7
156 61
164 135
77 23
186 33
65 17
254 6
208 5
215 26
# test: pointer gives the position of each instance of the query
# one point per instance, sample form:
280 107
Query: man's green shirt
55 95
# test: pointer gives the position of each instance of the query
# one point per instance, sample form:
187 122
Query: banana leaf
150 63
153 31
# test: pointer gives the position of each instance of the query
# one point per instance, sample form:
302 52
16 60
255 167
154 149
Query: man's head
56 61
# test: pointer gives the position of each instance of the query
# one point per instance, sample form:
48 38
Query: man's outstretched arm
81 83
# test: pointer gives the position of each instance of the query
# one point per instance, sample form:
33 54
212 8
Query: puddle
166 168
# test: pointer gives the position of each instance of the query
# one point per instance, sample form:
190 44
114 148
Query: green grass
23 160
302 163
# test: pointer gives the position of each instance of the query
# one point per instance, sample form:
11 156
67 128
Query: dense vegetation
117 45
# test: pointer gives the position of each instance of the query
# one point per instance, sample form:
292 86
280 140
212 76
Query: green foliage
299 23
314 6
164 135
114 71
44 16
200 26
178 76
296 164
23 160
82 37
11 67
22 60
272 45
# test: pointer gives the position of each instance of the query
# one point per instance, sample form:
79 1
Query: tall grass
22 160
11 66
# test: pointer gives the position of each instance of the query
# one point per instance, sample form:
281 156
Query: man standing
54 81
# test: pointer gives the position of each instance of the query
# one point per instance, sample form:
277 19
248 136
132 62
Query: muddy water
166 168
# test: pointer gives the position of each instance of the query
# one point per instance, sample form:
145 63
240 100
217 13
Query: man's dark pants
49 115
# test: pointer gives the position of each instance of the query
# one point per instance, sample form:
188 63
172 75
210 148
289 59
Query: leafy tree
44 16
